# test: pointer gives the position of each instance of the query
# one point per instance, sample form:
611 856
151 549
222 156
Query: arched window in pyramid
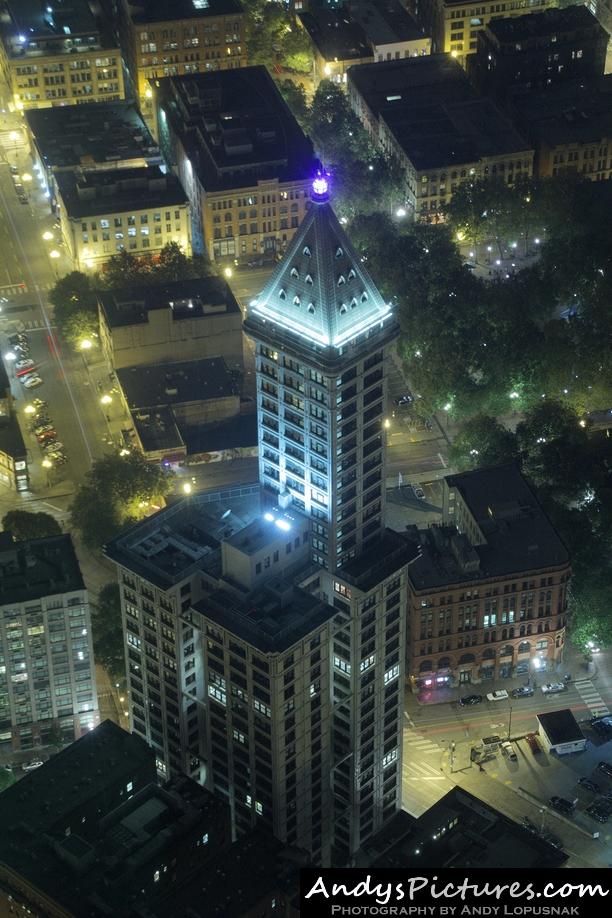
351 274
297 301
295 272
353 302
364 296
311 307
339 252
281 294
341 280
343 308
306 251
308 278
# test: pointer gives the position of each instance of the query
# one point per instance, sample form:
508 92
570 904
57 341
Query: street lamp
54 253
10 356
29 409
26 177
85 344
47 235
187 488
47 464
228 272
106 399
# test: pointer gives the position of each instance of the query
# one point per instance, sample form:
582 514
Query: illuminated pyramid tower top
321 292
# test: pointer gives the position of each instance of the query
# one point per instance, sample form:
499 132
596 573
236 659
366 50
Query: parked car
509 751
25 370
596 813
600 728
533 743
23 198
525 691
501 695
30 766
53 447
470 699
402 400
606 768
589 785
40 403
32 382
46 436
58 458
563 805
43 428
14 169
551 688
24 363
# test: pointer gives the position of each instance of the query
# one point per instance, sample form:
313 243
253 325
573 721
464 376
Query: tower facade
322 332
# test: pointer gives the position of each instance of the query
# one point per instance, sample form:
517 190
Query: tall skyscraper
276 681
322 331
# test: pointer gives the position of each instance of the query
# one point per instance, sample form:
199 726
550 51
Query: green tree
116 492
482 441
125 270
336 131
108 631
24 525
294 95
80 326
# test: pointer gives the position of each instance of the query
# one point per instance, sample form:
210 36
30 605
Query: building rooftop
92 136
538 25
236 128
161 11
373 565
161 384
395 83
31 29
188 299
113 191
560 726
385 21
11 438
39 567
451 134
321 295
182 538
157 429
336 35
579 111
232 433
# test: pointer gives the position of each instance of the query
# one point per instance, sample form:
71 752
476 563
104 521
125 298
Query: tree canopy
24 525
116 492
108 632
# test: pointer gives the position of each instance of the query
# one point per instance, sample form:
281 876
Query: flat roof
560 726
386 21
94 135
11 438
40 567
68 17
176 383
391 84
200 298
579 111
161 11
336 35
236 128
232 433
186 536
374 564
534 25
118 190
157 429
451 134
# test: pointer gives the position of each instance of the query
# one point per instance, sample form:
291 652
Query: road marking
424 778
591 697
441 458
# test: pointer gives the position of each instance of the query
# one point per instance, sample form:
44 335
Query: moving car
606 768
419 492
533 743
564 806
26 371
32 382
470 699
551 688
509 751
501 695
589 785
525 691
30 766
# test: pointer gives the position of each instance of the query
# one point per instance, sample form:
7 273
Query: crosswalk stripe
421 767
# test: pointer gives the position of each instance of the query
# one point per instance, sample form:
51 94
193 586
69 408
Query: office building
519 55
190 319
424 113
267 622
360 33
454 25
133 210
185 37
242 158
93 137
13 453
47 679
488 595
570 127
57 55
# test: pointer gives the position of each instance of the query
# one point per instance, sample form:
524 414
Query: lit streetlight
29 409
54 253
400 212
47 235
10 356
228 272
387 423
85 344
187 488
47 464
26 177
106 399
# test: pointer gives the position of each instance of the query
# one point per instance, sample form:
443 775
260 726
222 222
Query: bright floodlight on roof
283 524
320 186
269 517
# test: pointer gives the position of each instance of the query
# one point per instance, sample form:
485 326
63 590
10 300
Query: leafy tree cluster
274 36
498 345
73 296
567 468
24 525
107 631
116 492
